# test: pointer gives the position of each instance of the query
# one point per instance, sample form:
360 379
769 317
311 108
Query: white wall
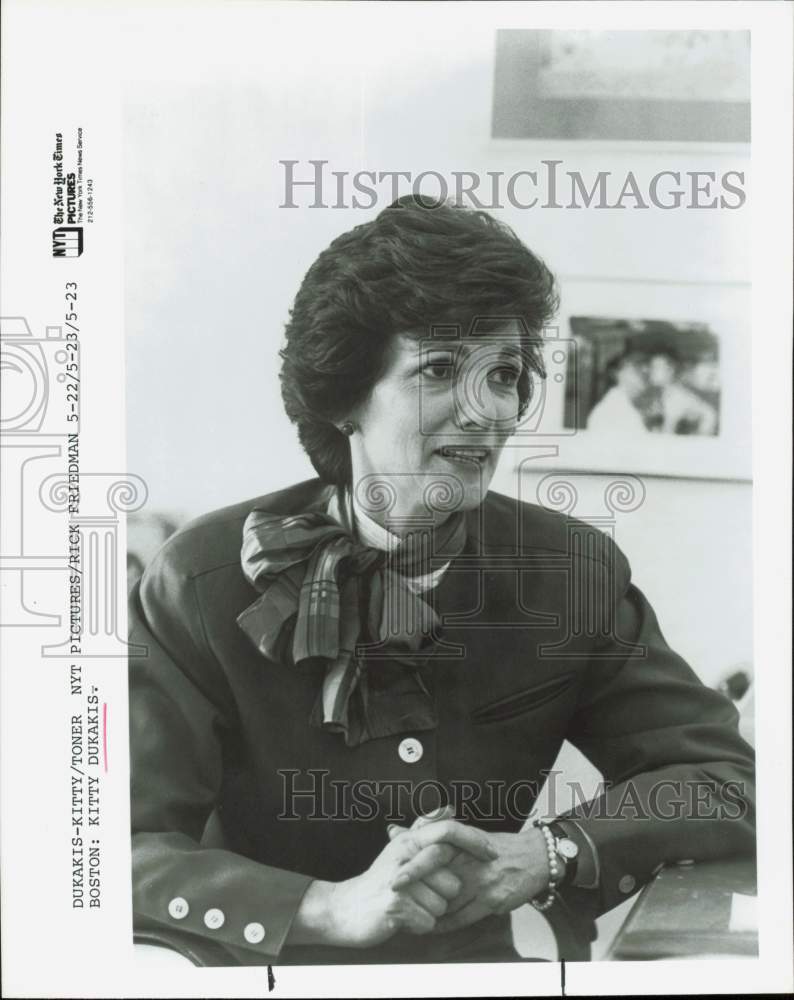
213 263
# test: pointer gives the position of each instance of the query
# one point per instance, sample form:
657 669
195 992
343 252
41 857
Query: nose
479 412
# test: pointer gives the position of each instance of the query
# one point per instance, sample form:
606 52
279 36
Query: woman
352 688
618 411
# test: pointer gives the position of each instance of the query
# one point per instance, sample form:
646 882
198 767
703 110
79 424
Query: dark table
685 912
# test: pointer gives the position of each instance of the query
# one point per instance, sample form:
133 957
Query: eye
506 375
438 371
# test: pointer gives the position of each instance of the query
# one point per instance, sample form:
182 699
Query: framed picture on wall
645 377
646 86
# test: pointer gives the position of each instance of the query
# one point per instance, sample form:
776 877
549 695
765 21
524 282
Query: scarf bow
324 595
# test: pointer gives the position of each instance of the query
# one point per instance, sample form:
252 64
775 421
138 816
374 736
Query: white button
410 750
627 883
214 919
254 933
178 908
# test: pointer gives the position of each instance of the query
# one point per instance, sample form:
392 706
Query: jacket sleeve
678 777
180 707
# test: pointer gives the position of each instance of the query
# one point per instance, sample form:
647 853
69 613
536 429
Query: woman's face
661 371
438 417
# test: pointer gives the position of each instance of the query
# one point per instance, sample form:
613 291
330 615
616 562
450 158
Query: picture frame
690 86
555 436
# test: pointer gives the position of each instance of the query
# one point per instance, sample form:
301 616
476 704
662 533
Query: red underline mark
105 732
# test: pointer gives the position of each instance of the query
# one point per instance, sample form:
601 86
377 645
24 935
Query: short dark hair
629 356
417 265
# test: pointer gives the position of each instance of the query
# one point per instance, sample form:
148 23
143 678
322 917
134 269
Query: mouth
468 455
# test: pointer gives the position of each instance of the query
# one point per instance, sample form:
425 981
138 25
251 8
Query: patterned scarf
325 594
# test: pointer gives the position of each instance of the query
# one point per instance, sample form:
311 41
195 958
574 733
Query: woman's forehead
507 338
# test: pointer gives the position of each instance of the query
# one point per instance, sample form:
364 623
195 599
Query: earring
347 428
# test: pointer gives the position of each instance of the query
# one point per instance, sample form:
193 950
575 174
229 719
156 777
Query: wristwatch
568 850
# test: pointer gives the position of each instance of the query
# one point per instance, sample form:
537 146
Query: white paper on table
744 913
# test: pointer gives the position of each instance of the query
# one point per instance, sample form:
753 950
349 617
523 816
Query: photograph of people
678 409
649 388
619 410
347 690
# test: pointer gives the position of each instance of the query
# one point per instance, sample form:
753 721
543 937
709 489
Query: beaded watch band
555 872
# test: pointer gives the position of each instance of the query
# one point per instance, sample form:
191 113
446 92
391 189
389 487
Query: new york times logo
67 241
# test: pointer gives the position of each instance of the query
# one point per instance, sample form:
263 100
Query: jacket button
178 908
627 883
214 919
254 932
410 750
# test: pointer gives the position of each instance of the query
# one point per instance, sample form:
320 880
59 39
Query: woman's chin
471 488
444 491
474 495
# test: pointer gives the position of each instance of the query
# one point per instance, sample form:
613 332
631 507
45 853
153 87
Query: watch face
568 849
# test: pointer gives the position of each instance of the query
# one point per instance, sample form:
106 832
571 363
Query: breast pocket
524 701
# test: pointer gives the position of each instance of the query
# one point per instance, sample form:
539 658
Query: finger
448 833
408 915
455 906
401 845
445 883
404 848
466 838
443 812
466 915
418 865
427 898
464 897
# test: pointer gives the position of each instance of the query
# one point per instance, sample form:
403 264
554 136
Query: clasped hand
436 876
515 873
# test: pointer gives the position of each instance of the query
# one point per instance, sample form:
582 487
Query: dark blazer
545 638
